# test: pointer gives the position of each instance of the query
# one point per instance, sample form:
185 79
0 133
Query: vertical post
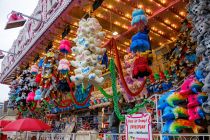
104 136
156 104
89 136
37 137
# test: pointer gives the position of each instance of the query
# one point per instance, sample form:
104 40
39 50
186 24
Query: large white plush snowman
88 54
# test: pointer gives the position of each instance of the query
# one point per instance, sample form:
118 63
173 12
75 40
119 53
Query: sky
8 36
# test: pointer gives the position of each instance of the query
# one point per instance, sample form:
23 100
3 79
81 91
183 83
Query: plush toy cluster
199 14
159 82
20 88
182 57
139 17
133 83
182 109
88 52
64 66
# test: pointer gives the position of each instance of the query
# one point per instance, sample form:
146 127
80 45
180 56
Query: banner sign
138 127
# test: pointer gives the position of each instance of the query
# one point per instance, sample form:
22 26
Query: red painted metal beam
150 17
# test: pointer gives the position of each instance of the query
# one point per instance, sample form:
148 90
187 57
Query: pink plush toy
65 46
196 99
196 113
30 97
185 87
64 66
34 69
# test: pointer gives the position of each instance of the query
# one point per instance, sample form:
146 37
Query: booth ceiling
165 17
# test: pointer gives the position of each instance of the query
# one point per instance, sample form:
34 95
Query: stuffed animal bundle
133 83
199 14
175 108
88 52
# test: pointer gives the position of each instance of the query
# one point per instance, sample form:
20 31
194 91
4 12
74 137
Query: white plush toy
88 52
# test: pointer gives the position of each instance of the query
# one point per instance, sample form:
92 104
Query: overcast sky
8 36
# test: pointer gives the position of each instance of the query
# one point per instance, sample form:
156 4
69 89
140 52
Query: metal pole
7 52
28 16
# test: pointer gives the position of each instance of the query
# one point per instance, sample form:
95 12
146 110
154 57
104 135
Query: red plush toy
141 68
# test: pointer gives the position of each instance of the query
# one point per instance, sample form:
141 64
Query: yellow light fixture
140 6
110 6
115 33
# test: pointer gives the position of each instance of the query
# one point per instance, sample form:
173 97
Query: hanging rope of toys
119 68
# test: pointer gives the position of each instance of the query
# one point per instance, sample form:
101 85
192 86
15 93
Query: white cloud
8 36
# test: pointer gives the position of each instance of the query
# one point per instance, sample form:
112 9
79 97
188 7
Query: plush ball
65 46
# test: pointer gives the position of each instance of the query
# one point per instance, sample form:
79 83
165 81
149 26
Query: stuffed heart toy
139 17
30 97
88 52
64 66
65 46
140 41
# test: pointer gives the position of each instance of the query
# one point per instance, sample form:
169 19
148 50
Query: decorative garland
138 106
116 95
74 98
104 92
119 68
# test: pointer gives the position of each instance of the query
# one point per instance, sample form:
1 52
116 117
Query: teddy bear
88 52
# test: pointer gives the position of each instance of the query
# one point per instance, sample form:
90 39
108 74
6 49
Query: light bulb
115 33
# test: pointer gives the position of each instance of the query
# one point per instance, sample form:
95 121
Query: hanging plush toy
34 69
140 41
65 46
139 18
141 67
88 52
38 95
63 66
30 97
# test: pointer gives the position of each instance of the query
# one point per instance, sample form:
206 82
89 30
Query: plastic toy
196 99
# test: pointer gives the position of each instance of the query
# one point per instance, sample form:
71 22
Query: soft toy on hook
139 18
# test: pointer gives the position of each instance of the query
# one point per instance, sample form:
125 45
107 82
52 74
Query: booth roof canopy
165 17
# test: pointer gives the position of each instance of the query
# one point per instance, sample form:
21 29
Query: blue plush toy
171 98
105 60
170 113
139 16
38 95
140 41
